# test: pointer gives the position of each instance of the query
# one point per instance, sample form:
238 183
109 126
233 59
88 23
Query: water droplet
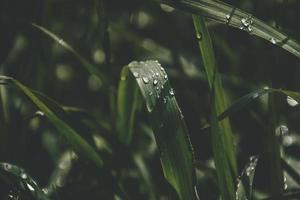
292 102
150 93
155 82
136 74
45 190
40 113
145 79
30 187
171 92
288 141
227 17
23 175
166 77
273 41
7 166
157 74
266 88
166 8
281 130
285 186
199 36
61 41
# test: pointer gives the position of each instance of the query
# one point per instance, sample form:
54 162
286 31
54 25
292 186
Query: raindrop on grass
199 36
171 92
30 187
292 102
45 190
166 77
136 74
166 8
155 82
273 41
157 74
7 166
23 175
227 17
145 79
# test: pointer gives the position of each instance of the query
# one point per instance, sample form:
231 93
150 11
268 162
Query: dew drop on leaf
292 102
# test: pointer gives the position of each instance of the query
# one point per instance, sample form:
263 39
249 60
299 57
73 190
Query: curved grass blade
222 136
245 181
23 183
72 137
128 102
171 134
89 67
248 98
229 15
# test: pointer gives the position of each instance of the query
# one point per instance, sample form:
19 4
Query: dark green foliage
72 128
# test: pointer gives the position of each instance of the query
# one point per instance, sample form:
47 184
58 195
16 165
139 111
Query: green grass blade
18 178
168 124
222 136
245 181
229 15
128 101
72 137
85 63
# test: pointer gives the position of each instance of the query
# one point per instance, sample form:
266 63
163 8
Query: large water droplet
155 82
7 166
165 77
23 175
273 41
171 92
292 102
39 113
157 74
30 187
136 74
166 8
199 36
145 79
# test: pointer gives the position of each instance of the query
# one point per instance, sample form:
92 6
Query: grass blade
245 181
222 136
229 15
89 67
21 181
169 127
72 137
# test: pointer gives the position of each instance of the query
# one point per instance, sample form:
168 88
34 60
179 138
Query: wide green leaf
167 121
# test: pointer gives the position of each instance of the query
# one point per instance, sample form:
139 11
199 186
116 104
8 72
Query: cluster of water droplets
156 78
249 174
246 24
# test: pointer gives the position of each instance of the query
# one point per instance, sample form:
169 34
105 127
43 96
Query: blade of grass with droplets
167 121
90 68
21 181
227 14
73 138
245 181
222 136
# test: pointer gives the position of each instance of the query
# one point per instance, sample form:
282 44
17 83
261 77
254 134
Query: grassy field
152 99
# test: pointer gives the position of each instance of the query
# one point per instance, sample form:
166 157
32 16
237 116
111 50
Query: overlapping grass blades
229 15
72 137
221 133
167 121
